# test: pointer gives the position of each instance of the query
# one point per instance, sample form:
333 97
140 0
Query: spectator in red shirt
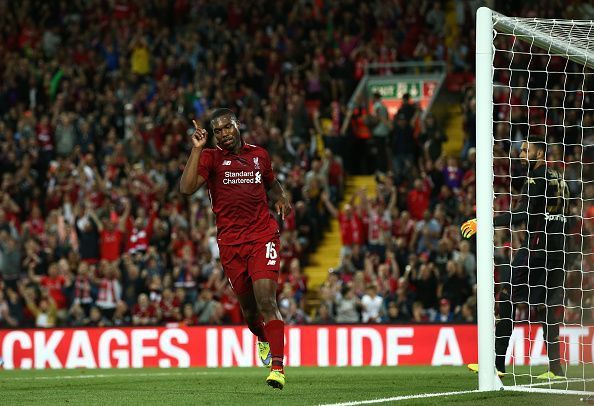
351 225
54 283
179 241
36 223
44 139
144 313
110 237
290 248
110 289
297 281
83 288
403 227
142 230
189 317
418 199
170 307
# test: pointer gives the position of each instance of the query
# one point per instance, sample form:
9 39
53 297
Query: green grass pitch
246 386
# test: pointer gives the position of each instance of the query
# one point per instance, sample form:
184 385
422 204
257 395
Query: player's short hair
538 141
222 112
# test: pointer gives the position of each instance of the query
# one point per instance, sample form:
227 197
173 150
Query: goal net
534 241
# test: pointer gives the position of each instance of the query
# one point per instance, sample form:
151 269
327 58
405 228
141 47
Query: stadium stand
96 101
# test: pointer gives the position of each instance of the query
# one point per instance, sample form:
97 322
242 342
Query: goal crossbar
530 30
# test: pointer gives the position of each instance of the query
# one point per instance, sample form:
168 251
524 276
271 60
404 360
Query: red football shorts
248 262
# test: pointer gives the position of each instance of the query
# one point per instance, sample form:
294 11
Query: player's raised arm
190 180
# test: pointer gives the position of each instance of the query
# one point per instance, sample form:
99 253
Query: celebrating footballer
238 176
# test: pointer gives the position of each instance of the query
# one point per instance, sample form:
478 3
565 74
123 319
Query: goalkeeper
537 273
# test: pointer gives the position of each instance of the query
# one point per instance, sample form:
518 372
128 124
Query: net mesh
542 85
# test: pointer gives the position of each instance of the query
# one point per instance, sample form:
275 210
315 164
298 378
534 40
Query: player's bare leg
265 294
255 323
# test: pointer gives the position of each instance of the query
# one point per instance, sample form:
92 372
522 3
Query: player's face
226 131
529 155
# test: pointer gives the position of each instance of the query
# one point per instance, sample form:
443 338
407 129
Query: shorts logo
271 262
256 164
226 162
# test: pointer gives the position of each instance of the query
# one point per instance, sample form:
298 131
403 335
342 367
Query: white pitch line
404 397
142 375
519 388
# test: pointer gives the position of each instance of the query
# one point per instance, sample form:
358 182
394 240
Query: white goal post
572 40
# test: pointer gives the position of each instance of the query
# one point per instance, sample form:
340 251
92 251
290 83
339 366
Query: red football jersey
237 188
54 288
110 242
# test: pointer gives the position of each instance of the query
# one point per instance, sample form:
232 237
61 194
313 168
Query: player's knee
267 305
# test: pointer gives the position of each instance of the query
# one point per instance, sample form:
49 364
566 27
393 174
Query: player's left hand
468 228
283 206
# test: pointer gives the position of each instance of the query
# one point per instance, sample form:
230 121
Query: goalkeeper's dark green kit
537 269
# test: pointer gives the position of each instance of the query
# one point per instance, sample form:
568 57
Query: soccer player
537 273
238 176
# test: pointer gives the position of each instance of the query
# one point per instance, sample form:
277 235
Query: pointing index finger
196 124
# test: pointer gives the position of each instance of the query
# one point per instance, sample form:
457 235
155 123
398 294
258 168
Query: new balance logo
271 262
226 162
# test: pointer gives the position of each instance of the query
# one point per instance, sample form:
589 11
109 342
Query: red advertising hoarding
312 345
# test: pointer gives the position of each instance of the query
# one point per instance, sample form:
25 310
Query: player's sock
550 328
503 330
257 329
275 333
277 365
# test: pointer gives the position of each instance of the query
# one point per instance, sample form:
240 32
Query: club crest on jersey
256 163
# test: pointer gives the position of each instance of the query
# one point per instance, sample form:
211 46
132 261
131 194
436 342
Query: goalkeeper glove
469 228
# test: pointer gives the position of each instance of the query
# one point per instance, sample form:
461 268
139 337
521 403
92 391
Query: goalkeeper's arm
518 215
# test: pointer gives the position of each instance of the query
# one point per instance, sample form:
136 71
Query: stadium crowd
96 101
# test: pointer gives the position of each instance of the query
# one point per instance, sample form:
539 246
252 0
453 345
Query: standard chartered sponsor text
241 177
